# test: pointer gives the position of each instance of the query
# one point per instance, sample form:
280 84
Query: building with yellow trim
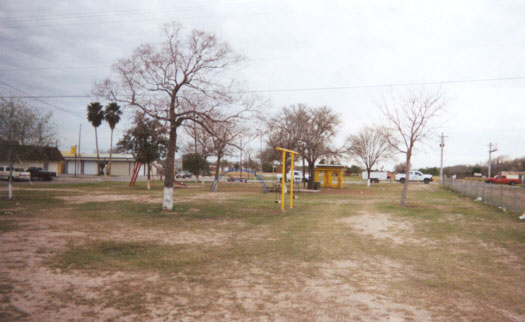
325 173
122 164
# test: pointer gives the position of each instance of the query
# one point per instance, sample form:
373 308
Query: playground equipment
327 170
283 178
135 174
213 187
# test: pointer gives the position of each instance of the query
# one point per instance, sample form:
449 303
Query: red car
503 180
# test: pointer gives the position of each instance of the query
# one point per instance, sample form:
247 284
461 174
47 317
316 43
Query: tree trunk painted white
10 186
167 199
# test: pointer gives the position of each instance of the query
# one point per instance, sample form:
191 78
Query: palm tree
112 116
95 117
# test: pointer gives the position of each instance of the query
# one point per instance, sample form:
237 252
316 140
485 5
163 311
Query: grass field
98 251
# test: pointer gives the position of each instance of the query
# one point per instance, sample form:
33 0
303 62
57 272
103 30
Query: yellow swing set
283 178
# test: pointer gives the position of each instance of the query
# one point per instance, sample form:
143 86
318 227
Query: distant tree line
497 166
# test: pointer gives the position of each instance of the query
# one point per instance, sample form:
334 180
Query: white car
417 176
297 176
18 174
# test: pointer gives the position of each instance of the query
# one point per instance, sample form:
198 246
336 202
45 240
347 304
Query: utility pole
442 146
260 151
76 160
240 165
490 155
78 152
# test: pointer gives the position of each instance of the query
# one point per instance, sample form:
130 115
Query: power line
40 100
306 89
154 16
387 85
93 14
50 96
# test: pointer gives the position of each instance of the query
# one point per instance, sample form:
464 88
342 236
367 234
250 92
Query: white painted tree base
167 199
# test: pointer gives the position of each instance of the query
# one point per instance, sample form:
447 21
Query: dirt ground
46 294
362 283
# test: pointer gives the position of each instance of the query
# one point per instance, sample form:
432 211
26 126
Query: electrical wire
308 89
40 100
387 85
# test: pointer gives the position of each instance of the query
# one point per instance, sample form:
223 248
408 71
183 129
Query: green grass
110 255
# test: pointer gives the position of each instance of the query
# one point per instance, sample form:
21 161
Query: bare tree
22 132
223 137
411 118
200 142
307 130
400 167
182 78
369 146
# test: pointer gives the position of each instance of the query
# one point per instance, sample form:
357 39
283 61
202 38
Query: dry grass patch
381 226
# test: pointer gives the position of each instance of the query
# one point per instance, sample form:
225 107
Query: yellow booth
327 171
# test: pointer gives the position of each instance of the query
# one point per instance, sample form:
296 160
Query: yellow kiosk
328 170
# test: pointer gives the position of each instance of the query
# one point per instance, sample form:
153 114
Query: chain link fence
508 198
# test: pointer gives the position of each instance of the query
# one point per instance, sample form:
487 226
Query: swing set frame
283 178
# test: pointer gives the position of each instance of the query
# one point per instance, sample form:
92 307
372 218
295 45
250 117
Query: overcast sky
293 49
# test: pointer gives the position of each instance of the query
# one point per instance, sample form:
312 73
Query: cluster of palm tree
96 115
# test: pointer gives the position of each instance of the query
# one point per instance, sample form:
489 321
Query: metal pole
501 196
490 157
241 160
77 152
79 155
283 178
76 158
260 151
291 181
492 194
515 201
304 174
442 145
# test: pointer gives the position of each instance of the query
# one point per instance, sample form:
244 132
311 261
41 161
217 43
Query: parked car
502 180
417 176
18 174
183 175
297 176
41 174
